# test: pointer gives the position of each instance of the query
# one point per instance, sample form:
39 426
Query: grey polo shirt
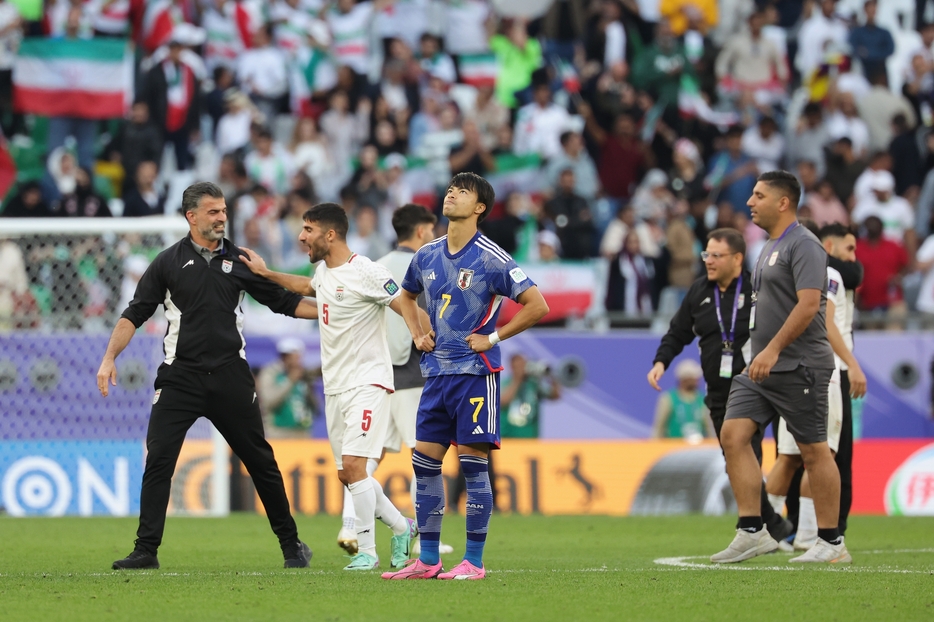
206 253
796 262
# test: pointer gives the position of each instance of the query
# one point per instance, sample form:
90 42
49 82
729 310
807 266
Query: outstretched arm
292 282
119 339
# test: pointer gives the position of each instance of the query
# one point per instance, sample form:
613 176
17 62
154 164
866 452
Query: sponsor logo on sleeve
390 287
832 287
517 275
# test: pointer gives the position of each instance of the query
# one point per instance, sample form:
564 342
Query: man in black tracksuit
201 282
716 310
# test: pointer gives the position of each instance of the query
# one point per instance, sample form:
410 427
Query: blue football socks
429 505
479 505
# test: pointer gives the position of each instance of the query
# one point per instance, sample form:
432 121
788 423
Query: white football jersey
842 316
352 320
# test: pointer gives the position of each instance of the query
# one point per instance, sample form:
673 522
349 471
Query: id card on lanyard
726 355
757 275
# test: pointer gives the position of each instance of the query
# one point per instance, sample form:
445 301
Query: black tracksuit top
697 316
203 304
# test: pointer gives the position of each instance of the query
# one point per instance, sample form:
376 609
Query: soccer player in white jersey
415 227
352 293
839 242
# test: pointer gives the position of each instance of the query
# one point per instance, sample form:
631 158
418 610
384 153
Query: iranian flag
516 173
478 69
691 104
87 78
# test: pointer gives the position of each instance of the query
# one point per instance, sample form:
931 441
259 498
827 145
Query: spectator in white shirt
896 214
845 121
345 131
268 164
233 128
765 144
263 73
539 125
822 32
310 154
467 26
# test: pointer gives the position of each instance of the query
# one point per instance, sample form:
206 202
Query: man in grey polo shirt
789 376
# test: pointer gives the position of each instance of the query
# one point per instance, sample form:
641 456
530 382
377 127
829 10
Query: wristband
494 338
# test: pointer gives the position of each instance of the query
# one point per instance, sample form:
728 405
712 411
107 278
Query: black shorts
798 396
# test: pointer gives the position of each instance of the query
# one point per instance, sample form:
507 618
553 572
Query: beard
212 234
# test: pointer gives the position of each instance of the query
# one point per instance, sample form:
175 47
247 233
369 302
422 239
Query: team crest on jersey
155 398
339 294
773 258
742 301
227 266
464 278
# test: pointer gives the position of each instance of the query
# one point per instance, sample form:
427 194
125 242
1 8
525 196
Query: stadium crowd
615 129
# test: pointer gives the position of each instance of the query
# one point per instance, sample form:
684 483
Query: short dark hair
330 216
191 198
733 239
811 226
786 183
475 183
565 137
834 230
408 217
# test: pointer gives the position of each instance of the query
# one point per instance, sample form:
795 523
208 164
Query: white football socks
777 502
387 512
349 513
807 521
364 502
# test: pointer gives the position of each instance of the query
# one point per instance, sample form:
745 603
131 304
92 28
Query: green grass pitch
541 568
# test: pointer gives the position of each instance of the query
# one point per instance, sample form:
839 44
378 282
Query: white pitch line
684 563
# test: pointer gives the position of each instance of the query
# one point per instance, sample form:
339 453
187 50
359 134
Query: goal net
65 449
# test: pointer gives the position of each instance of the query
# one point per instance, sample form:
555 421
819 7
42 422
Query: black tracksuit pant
227 397
844 457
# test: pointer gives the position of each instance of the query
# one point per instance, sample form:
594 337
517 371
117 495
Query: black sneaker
297 555
137 560
780 529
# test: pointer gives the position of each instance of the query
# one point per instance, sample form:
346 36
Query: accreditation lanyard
757 275
726 356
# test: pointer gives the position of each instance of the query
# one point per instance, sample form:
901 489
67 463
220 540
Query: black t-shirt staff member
716 311
201 282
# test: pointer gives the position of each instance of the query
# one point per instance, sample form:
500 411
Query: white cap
688 368
188 34
289 345
549 238
395 160
882 181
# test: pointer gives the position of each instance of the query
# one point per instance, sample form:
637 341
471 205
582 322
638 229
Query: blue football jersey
464 293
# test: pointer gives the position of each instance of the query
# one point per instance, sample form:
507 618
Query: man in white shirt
539 125
895 212
263 73
765 144
822 32
356 366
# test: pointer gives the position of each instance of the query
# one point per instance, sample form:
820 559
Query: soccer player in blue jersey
464 276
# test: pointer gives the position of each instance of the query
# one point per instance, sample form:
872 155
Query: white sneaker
746 546
784 547
826 553
443 549
347 540
804 545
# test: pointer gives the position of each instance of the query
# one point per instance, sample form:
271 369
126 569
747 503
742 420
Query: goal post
64 449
